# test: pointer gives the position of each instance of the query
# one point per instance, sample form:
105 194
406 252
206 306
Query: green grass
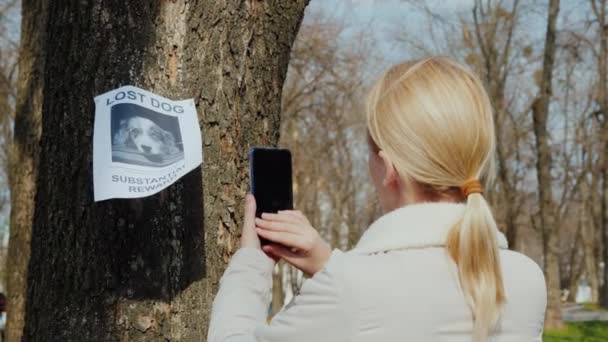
593 331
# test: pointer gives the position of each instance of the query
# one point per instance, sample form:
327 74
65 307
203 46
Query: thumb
249 214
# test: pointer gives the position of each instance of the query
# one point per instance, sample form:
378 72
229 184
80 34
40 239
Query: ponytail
473 245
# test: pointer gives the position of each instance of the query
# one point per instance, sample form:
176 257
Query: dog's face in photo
146 136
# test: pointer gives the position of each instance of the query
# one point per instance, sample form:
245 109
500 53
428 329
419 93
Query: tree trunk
600 11
23 159
145 269
588 234
278 294
572 277
540 113
507 195
604 218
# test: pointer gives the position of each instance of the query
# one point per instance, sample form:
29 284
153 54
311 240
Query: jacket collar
414 226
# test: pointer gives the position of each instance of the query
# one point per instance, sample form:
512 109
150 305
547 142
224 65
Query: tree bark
145 269
540 113
23 159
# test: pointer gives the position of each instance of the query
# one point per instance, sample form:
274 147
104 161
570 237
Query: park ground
584 323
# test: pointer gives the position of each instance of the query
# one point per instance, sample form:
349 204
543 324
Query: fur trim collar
414 226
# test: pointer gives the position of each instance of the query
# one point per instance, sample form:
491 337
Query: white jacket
397 284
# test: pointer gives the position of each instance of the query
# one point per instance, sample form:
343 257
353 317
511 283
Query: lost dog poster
142 143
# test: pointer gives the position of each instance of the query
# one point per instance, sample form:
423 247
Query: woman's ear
391 176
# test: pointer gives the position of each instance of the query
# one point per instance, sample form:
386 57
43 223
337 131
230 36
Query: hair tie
472 186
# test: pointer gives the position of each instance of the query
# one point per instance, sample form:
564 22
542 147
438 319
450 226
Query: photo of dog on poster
144 137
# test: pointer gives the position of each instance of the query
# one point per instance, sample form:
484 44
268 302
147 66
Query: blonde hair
433 119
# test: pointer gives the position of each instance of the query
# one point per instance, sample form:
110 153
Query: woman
433 268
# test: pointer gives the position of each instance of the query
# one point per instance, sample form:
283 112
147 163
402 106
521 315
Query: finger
281 252
249 214
270 253
296 214
277 226
283 238
295 259
280 217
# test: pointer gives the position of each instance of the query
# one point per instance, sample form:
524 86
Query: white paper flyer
142 143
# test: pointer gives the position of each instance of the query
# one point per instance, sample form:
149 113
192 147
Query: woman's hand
295 240
249 238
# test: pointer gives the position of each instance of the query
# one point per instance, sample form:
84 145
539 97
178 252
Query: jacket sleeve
320 312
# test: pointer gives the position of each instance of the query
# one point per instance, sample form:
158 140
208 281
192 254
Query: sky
385 17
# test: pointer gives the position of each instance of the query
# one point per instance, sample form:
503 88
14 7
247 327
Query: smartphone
271 179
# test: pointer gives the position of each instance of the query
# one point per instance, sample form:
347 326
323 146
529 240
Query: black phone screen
271 182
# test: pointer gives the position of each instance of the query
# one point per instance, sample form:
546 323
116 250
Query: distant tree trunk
573 282
604 219
588 235
23 159
507 195
278 294
549 226
570 279
145 269
600 11
604 211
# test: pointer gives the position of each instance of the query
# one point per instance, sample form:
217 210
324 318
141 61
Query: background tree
491 40
600 19
23 162
550 230
142 269
8 67
323 125
574 171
